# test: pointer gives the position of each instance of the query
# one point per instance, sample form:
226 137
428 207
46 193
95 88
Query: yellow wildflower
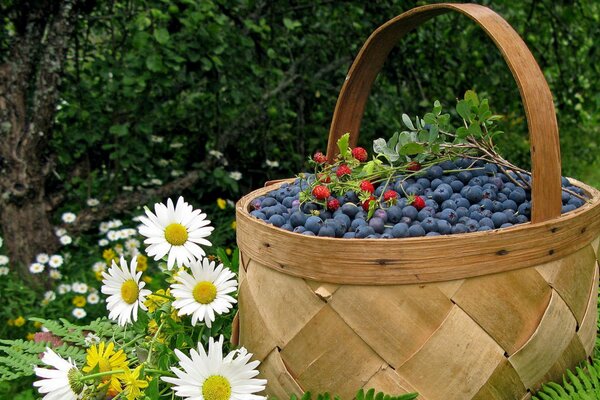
221 203
233 225
133 385
142 262
228 251
30 336
79 301
147 279
156 300
98 275
119 248
37 324
10 322
109 255
19 321
103 358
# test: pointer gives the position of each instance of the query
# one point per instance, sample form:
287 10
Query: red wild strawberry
413 166
367 203
360 154
320 192
367 186
390 196
418 202
333 204
319 158
324 178
343 170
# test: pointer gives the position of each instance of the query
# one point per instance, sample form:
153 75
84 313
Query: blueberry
432 233
327 231
525 209
459 228
473 193
287 227
416 230
313 224
476 215
565 197
509 204
258 214
377 224
400 230
462 202
270 211
386 235
506 225
356 223
308 207
484 228
350 197
448 204
277 220
521 219
406 220
349 235
501 197
268 202
287 202
567 208
444 227
343 218
449 215
499 218
414 190
425 213
461 212
373 236
447 165
350 209
472 225
497 206
424 182
491 169
435 183
410 212
435 171
575 202
299 229
448 179
478 181
297 219
497 181
518 195
429 224
308 233
486 222
565 182
441 194
511 215
464 163
456 186
363 231
394 213
489 194
380 213
486 204
464 176
255 204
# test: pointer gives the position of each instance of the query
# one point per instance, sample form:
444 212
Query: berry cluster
454 196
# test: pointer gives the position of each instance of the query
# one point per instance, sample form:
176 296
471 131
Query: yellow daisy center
176 234
104 365
130 291
216 387
204 292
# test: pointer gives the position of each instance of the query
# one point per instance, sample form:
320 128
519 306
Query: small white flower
49 296
93 298
36 268
204 292
4 260
175 173
69 217
60 232
60 383
79 287
155 181
63 288
65 240
235 175
104 227
176 145
1 242
55 261
127 188
272 164
163 163
211 376
79 313
112 236
156 139
177 231
230 203
115 223
103 242
126 292
55 274
98 266
4 271
216 154
91 339
42 258
132 244
92 202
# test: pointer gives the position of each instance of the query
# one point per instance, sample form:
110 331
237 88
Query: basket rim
414 260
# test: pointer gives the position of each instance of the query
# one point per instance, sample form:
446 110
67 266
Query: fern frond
360 395
581 384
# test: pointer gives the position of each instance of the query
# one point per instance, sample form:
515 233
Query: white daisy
104 227
177 231
36 268
55 274
272 164
63 288
79 287
103 242
235 175
216 154
79 313
49 296
125 291
1 242
55 261
91 339
99 266
4 260
132 244
212 377
42 258
60 232
204 292
91 202
155 181
60 383
93 298
65 240
68 217
112 236
4 271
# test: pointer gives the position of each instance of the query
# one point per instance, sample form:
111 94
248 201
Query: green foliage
360 395
583 384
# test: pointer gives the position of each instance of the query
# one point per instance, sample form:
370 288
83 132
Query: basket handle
535 94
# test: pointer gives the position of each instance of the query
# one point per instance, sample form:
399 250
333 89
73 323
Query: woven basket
486 315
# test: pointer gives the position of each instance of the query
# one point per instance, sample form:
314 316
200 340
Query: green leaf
471 96
154 62
462 132
119 130
411 149
342 144
162 35
433 133
152 389
393 141
407 122
437 107
380 147
464 110
475 130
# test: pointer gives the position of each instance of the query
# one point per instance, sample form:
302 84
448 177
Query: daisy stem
101 374
158 371
154 341
163 295
133 340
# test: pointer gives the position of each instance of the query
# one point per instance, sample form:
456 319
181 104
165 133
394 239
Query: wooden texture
535 93
416 260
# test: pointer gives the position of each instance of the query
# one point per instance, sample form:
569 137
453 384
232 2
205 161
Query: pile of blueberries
477 197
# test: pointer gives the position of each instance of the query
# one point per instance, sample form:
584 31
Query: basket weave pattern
490 337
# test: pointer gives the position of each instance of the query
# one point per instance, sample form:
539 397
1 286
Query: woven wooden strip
254 331
503 384
544 348
280 383
569 359
449 288
507 306
416 260
286 303
367 310
571 277
596 246
388 381
455 362
326 355
323 290
589 325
